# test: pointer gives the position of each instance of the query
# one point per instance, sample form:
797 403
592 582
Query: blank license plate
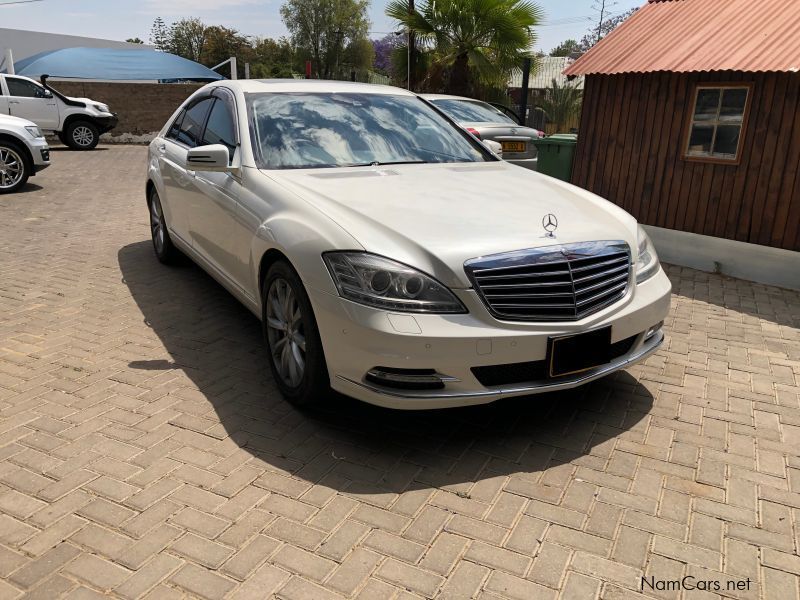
514 146
571 354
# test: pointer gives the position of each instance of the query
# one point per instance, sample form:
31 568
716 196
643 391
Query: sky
122 19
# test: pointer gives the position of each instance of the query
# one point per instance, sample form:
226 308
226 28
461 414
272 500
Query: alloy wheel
157 225
12 169
83 136
285 332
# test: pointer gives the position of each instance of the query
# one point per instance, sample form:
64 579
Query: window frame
182 115
227 98
690 122
37 86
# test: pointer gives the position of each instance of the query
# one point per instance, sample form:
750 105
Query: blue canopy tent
114 64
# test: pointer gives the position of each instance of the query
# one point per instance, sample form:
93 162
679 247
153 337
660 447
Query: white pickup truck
78 122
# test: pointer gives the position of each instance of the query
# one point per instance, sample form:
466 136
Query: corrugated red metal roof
700 35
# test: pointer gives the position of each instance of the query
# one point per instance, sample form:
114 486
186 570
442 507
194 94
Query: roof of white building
545 69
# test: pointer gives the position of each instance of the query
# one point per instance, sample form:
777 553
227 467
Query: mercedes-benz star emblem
550 224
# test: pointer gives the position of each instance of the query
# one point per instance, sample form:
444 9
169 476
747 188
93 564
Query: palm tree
471 41
560 103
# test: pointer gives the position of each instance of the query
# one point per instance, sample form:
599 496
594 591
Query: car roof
318 86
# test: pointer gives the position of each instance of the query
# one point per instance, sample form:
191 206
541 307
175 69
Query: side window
22 88
221 127
176 126
717 122
192 124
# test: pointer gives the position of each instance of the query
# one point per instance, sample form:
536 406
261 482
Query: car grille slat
583 279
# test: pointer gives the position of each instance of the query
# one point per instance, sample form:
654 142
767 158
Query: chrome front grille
556 283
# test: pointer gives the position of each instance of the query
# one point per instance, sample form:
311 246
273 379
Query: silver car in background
23 152
489 123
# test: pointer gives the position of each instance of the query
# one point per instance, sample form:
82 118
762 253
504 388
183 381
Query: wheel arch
149 188
78 117
18 143
269 258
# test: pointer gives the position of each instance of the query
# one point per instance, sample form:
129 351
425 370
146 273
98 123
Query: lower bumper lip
648 347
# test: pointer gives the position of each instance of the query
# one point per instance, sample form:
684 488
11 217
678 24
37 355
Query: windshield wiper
376 163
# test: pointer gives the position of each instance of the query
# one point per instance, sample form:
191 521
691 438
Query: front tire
14 168
165 251
290 331
82 135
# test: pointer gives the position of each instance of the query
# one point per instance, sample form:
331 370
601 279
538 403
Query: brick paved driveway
145 452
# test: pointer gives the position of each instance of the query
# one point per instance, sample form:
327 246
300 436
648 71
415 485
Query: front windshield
471 111
307 130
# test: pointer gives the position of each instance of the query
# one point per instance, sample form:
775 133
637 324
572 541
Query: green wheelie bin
556 154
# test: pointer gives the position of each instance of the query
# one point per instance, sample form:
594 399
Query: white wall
763 264
27 43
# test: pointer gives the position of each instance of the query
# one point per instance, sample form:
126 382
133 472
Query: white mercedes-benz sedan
391 256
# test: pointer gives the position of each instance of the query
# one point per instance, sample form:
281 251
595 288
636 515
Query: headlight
647 264
383 283
34 131
101 108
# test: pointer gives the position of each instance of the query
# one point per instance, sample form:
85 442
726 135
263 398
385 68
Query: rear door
29 100
179 185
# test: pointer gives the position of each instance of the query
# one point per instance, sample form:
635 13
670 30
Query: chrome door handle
162 148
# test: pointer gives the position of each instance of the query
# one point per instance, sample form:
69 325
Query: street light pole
410 45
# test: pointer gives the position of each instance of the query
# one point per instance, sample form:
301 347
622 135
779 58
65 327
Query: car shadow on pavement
205 339
29 187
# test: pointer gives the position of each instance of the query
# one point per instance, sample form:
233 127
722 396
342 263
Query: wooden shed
691 119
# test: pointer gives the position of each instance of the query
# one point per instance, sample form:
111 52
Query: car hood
8 120
86 101
435 217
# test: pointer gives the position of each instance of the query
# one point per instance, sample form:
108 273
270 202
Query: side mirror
495 147
213 157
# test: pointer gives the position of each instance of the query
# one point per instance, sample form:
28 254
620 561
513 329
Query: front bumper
107 123
357 339
40 152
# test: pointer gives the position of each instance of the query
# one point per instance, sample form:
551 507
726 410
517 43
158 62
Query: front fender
302 242
285 222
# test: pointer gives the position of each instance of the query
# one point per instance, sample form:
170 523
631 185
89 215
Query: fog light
408 379
653 330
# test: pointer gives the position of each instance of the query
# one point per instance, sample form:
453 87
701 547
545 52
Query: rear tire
14 167
82 135
297 360
165 251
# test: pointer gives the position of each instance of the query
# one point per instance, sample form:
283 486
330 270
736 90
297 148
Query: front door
29 100
214 221
179 184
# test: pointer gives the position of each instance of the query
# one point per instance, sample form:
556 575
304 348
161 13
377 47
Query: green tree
134 40
159 35
324 29
560 103
274 58
221 43
566 48
471 42
595 34
187 38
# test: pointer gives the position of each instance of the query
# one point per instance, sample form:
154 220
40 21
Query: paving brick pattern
145 453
